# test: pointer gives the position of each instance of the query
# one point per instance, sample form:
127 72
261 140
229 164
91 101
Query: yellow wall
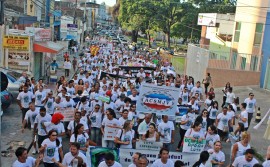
249 16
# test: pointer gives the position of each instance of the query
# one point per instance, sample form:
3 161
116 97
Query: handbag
117 145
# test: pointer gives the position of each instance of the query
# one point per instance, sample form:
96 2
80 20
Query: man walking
23 99
251 106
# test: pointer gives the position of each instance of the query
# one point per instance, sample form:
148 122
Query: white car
13 83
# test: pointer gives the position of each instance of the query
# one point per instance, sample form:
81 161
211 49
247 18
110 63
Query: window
258 34
237 32
254 63
243 63
234 60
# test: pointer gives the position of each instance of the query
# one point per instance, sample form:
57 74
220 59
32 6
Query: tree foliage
172 17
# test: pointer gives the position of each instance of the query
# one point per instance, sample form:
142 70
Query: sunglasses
96 107
54 135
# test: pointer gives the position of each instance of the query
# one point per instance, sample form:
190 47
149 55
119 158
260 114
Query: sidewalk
60 72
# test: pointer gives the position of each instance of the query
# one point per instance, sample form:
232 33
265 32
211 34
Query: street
11 126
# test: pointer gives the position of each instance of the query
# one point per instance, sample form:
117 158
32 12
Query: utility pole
75 12
84 20
2 27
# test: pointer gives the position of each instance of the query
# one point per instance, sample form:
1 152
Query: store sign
72 27
16 42
207 19
40 34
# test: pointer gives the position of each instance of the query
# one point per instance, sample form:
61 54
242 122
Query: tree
169 13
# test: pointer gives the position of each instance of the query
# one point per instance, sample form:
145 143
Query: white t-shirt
244 114
81 139
67 161
230 97
192 133
30 162
71 90
242 162
49 105
191 118
127 136
113 122
71 126
250 105
231 114
195 90
218 157
122 121
39 97
59 128
81 106
184 97
210 140
25 98
68 104
103 164
223 121
266 163
213 112
96 119
166 130
158 163
31 115
51 150
39 120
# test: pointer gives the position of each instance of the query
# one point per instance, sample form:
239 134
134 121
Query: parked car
13 83
6 97
166 50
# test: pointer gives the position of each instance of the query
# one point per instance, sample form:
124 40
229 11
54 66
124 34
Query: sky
107 2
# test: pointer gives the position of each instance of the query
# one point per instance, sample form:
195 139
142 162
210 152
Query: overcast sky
107 2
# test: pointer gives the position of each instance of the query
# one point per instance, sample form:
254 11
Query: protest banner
160 100
135 69
110 132
182 109
67 112
148 145
104 99
195 146
97 155
126 156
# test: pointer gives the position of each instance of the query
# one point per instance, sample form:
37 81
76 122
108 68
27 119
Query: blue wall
265 49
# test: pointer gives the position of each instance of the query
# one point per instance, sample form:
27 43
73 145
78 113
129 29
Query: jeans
182 135
67 72
41 139
24 110
95 134
167 145
250 116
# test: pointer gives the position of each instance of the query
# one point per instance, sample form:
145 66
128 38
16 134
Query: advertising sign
110 133
148 145
16 42
40 34
195 146
18 60
126 156
72 27
97 155
160 100
207 19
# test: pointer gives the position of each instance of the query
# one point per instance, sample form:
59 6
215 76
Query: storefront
43 50
45 53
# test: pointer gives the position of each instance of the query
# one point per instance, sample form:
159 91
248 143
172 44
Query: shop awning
48 47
